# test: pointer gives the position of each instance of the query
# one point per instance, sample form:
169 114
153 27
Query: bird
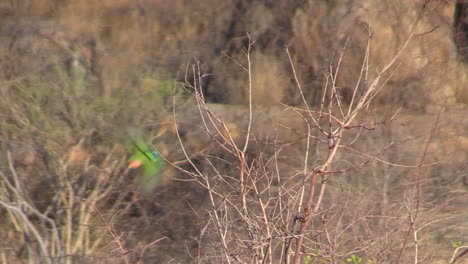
150 160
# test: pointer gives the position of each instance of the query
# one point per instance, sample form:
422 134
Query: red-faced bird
149 159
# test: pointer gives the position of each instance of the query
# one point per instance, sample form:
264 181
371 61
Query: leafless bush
62 229
260 213
339 174
69 228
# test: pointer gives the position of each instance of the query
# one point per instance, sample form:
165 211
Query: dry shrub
119 41
257 204
76 74
428 69
269 79
365 211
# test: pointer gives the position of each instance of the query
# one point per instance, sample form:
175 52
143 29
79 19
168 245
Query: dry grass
76 77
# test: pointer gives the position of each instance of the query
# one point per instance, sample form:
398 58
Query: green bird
150 160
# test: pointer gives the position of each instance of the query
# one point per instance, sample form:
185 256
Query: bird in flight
150 160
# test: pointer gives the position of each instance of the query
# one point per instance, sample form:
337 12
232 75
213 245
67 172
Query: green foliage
353 259
457 244
308 259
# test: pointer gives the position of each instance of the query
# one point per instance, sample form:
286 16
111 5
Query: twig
419 173
117 240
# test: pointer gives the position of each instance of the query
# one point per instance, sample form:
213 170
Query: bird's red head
133 164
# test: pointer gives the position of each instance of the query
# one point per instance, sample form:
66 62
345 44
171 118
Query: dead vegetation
333 132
